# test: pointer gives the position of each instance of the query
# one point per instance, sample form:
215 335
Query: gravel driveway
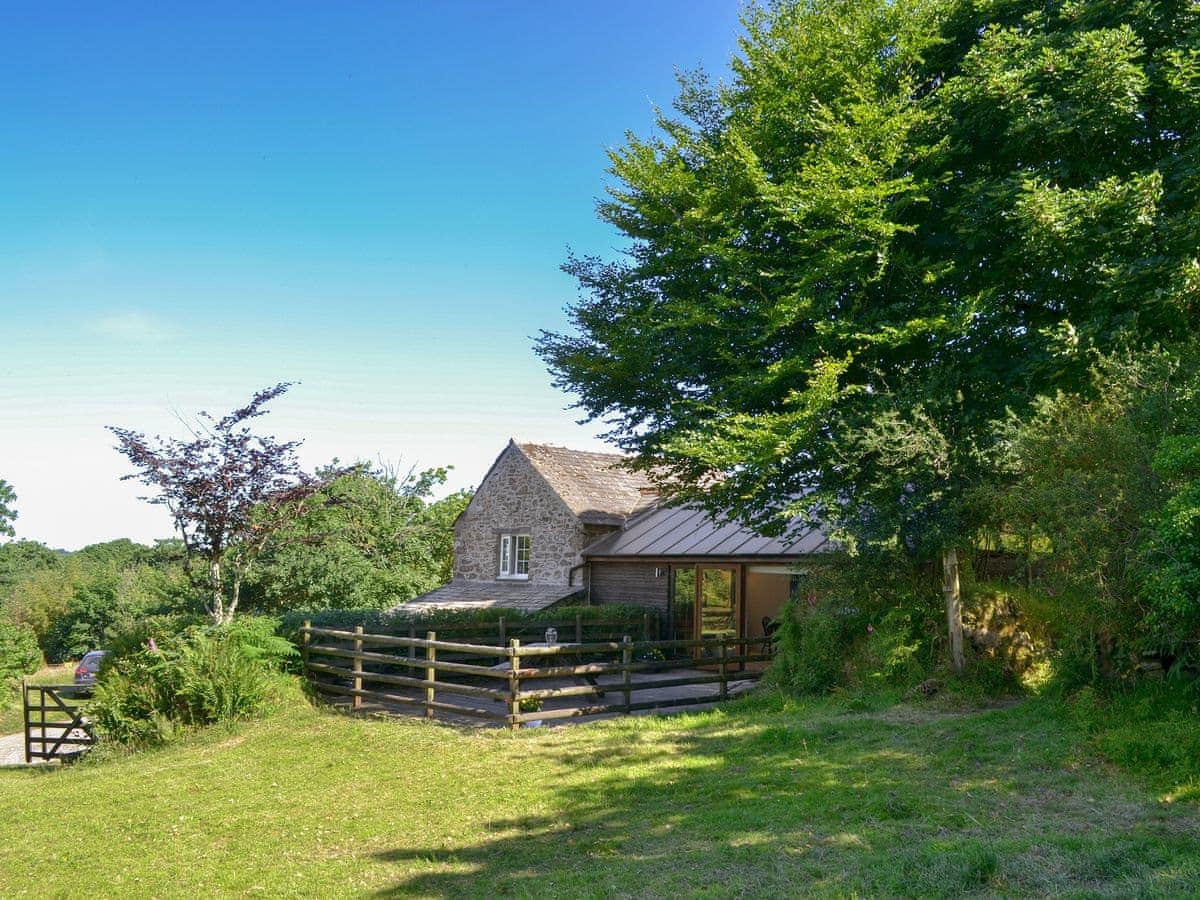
12 750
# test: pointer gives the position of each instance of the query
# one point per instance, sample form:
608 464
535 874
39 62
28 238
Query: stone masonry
514 498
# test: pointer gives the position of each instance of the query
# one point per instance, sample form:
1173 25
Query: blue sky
372 199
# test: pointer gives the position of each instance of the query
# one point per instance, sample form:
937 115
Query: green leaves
19 655
7 511
367 539
958 202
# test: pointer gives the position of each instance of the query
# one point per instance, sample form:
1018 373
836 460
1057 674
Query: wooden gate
55 726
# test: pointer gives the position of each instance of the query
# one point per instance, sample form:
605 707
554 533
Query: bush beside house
19 656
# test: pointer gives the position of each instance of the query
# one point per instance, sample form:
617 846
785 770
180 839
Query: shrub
1106 485
811 648
19 655
196 678
258 639
133 635
898 651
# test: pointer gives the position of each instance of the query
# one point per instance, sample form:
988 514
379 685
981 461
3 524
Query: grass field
764 797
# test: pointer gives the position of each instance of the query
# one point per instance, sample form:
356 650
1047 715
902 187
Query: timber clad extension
548 524
632 583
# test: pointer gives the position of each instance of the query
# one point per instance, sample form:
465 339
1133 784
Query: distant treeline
378 540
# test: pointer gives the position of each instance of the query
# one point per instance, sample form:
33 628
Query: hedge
517 623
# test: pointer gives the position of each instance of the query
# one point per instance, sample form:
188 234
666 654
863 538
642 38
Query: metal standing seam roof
691 531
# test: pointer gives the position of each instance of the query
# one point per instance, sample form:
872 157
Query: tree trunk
214 586
953 596
235 595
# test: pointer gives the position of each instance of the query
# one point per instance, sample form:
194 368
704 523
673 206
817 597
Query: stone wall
995 627
515 499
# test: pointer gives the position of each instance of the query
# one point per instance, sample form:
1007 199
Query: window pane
683 602
506 555
522 554
718 599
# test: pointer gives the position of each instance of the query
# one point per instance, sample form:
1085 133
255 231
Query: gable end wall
514 498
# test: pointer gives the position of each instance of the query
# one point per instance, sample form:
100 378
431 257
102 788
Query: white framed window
514 556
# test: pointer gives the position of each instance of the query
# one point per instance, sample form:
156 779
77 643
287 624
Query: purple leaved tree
227 489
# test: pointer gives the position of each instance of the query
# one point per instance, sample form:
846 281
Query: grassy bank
765 797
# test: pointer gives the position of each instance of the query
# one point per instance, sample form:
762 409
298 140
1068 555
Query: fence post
724 668
646 627
514 682
28 727
358 631
579 628
412 648
430 673
626 662
304 645
502 631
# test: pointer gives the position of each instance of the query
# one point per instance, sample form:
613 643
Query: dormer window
514 556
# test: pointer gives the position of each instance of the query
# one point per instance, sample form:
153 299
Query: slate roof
678 531
595 486
462 594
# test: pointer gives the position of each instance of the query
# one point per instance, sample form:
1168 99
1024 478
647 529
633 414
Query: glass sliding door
717 602
683 603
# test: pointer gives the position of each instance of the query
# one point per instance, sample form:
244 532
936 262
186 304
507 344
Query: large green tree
900 219
371 537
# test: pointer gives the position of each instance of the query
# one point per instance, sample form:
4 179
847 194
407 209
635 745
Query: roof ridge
597 487
615 454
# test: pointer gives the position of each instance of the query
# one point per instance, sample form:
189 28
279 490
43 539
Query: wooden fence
411 672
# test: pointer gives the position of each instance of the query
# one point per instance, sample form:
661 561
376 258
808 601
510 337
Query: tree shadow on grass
755 800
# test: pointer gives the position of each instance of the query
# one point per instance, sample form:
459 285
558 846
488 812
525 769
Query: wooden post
430 673
723 668
646 627
503 633
627 676
28 727
304 645
579 628
514 682
358 668
953 596
412 648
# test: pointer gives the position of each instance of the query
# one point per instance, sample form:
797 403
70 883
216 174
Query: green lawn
765 797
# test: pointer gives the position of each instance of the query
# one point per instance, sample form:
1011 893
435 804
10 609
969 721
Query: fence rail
414 674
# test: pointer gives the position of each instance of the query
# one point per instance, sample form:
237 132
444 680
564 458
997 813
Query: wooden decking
667 700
